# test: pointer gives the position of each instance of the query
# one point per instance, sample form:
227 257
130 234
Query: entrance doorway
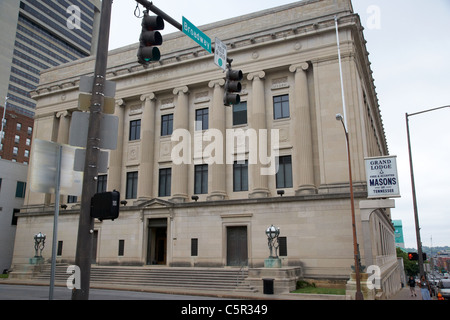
157 241
237 251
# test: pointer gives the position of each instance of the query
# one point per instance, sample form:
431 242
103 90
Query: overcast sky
409 46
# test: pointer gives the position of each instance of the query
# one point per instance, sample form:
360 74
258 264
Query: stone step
188 278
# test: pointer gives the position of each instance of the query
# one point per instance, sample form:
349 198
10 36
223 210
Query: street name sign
197 35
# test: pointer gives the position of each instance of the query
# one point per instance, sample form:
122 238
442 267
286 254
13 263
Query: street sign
84 99
220 54
79 127
44 167
197 35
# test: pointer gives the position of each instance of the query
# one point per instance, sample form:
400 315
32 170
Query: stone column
217 168
115 156
180 121
64 126
145 181
301 135
257 122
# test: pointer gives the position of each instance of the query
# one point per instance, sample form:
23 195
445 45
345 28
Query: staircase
189 279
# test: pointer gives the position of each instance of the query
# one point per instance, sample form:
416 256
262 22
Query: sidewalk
405 294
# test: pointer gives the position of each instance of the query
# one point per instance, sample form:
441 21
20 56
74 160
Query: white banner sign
382 177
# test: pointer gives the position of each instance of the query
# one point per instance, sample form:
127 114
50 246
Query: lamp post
413 187
39 244
272 234
358 295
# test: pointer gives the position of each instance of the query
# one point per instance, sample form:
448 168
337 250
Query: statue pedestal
284 280
272 262
36 260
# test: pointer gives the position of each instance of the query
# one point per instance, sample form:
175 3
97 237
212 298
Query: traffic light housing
232 87
150 38
105 206
414 256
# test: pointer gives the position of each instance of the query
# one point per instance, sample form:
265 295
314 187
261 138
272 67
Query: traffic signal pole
86 223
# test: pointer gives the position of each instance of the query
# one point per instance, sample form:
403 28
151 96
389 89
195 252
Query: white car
444 288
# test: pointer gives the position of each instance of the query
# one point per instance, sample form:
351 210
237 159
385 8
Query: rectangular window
60 248
201 179
121 247
132 183
201 119
282 242
166 125
17 138
72 199
281 107
240 113
165 177
18 126
240 176
101 183
135 130
20 189
194 247
284 174
15 151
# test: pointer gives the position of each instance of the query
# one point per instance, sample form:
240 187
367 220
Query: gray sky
409 46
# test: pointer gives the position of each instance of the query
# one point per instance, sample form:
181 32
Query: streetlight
358 295
39 243
413 186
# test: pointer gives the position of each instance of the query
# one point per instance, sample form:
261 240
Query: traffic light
105 206
232 87
413 256
150 38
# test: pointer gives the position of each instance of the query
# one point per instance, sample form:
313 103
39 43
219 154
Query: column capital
65 113
148 96
120 103
219 82
254 75
183 89
300 66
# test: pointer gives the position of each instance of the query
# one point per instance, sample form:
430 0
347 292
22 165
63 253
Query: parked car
444 288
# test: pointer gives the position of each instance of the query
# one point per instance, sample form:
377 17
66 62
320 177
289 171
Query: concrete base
36 260
350 289
284 279
27 271
272 263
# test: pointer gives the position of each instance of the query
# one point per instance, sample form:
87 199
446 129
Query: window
17 139
132 182
165 177
18 126
121 247
72 199
281 107
240 113
15 151
26 153
20 189
201 119
135 130
166 125
282 246
14 217
240 176
284 174
194 247
201 179
101 183
30 130
28 142
60 248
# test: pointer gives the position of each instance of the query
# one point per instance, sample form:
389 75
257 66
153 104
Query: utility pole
86 223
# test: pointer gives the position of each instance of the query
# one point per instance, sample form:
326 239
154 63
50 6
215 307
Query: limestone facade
292 92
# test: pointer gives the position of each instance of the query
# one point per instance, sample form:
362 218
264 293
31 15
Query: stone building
190 204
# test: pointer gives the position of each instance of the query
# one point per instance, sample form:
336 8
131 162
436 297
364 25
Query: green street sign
197 35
